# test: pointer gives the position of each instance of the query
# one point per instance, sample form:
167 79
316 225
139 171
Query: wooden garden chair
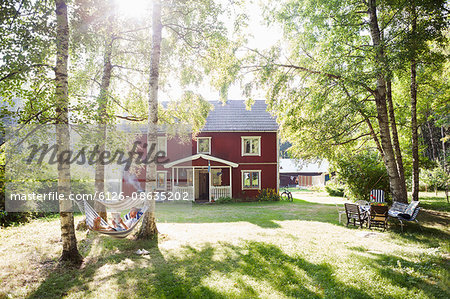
378 217
354 214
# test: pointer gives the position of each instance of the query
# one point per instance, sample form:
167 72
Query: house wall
227 146
303 179
268 179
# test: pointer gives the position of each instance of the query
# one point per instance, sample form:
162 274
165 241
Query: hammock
91 214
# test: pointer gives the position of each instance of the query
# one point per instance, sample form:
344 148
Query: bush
222 200
268 195
360 173
7 219
335 189
317 188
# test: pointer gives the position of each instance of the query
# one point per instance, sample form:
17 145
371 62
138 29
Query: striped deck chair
404 212
377 195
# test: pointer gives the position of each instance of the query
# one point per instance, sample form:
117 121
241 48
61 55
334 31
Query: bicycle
286 195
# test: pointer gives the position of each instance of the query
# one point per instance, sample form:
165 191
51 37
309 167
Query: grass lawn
239 250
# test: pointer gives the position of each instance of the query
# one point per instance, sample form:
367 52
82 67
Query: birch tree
330 80
70 251
193 33
148 229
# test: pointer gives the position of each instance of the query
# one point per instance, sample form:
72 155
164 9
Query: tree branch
13 73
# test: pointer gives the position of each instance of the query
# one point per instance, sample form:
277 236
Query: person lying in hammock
134 215
99 226
118 223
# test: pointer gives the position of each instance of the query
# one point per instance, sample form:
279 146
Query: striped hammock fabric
91 214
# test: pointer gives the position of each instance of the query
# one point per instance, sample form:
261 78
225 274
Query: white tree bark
70 252
148 229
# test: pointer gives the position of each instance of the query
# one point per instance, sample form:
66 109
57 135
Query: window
216 175
184 176
204 145
162 145
251 179
161 180
251 146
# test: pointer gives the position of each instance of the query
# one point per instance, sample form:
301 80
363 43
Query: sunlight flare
133 8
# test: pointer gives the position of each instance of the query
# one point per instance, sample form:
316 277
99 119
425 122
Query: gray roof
300 166
233 116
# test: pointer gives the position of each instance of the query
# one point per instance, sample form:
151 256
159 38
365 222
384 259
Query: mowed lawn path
239 250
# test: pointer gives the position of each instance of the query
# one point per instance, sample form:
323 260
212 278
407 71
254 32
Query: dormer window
162 145
251 146
204 145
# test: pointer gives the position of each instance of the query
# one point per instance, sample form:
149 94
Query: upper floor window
251 146
162 145
204 145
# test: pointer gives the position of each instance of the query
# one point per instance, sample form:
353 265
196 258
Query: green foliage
335 189
316 189
190 109
320 80
435 178
222 200
268 195
360 173
7 219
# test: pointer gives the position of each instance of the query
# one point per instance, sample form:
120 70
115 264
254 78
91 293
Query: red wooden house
234 155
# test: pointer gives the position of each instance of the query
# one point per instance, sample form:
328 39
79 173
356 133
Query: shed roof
299 166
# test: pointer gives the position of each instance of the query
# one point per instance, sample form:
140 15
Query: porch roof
198 156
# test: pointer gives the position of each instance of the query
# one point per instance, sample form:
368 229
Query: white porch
204 183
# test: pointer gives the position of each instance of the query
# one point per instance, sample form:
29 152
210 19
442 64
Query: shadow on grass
435 203
252 270
61 279
427 232
426 275
263 214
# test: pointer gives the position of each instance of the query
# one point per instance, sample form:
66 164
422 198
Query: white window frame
209 142
162 140
243 138
259 179
165 180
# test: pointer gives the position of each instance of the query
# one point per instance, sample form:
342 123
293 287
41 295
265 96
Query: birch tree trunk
148 229
398 152
70 252
444 161
432 141
414 136
382 115
103 116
